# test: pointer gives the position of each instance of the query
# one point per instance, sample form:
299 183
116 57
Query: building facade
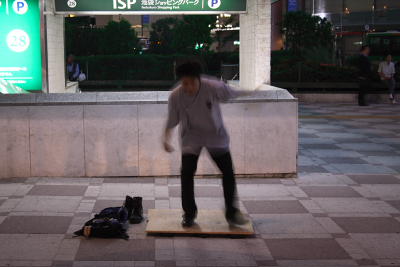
353 20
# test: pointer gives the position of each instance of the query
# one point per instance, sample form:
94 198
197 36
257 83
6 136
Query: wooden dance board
208 222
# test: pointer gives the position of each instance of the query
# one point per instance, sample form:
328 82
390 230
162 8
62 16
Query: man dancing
195 105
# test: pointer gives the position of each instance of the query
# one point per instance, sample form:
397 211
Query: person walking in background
386 72
195 105
364 75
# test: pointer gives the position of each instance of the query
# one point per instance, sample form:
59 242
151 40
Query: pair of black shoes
135 209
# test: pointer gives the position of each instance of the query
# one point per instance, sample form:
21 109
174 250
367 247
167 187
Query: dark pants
189 166
364 88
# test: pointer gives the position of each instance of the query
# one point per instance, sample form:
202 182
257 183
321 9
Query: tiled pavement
342 210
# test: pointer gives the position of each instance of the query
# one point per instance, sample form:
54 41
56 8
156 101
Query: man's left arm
224 92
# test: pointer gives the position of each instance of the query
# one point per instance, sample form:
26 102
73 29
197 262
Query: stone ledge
265 93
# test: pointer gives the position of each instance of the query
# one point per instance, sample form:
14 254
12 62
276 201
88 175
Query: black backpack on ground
109 223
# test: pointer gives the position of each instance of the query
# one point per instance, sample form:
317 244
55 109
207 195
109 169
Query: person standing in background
386 72
364 75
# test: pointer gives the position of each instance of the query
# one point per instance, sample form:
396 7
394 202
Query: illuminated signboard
293 5
149 6
20 43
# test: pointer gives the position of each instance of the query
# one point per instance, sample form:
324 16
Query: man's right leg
188 170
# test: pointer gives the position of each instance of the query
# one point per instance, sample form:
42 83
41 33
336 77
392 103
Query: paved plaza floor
342 210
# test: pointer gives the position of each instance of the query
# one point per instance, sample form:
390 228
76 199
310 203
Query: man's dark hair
191 69
364 47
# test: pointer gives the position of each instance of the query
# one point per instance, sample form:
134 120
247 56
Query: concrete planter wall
119 134
351 98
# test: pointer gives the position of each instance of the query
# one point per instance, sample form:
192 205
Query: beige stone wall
113 139
255 44
55 50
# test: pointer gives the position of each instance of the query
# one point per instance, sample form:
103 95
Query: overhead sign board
149 6
20 43
293 5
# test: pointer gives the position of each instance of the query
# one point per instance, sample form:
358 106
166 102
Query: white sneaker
394 101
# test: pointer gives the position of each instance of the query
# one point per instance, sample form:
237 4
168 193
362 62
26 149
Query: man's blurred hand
168 147
166 141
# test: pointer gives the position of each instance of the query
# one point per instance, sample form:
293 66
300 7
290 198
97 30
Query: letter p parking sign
20 7
214 4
